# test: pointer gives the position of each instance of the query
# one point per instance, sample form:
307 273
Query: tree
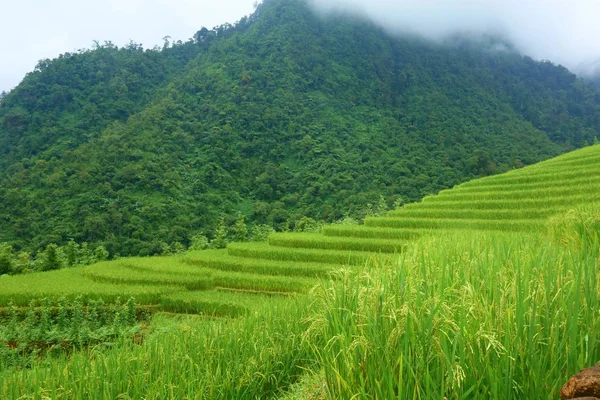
6 258
239 231
100 253
50 260
220 237
71 252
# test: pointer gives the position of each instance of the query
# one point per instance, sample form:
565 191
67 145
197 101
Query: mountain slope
283 115
517 201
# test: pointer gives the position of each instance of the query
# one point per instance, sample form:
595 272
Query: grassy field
487 290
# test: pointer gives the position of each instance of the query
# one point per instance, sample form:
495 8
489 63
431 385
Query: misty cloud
564 32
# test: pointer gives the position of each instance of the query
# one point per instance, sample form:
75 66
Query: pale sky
32 30
562 31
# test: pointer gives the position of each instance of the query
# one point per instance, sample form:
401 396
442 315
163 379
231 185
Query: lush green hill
462 295
283 115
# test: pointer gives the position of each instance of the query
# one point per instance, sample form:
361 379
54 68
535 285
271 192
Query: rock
586 398
583 386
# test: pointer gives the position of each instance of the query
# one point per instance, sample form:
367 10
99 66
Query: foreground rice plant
577 229
245 358
467 316
462 317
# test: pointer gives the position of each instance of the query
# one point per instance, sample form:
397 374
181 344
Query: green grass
220 260
115 272
251 357
318 241
71 283
460 224
538 193
449 213
467 315
219 303
191 277
470 315
361 231
537 182
264 251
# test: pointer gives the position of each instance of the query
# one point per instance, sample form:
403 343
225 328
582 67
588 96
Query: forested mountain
282 115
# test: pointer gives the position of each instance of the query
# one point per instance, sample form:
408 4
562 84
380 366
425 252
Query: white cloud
36 29
564 32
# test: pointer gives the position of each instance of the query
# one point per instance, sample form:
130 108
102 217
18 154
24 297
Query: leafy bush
49 327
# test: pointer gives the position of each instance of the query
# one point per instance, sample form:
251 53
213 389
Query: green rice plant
482 224
219 303
575 159
255 356
71 283
551 181
449 213
361 231
528 175
558 203
115 272
561 192
264 251
220 260
165 265
577 229
192 277
468 316
318 241
263 283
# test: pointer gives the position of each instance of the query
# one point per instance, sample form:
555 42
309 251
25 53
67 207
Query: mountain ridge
281 116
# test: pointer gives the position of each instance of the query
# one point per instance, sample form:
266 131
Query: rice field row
537 182
564 192
119 273
221 260
264 251
195 279
361 231
460 224
319 241
532 174
542 203
585 156
485 214
72 283
218 303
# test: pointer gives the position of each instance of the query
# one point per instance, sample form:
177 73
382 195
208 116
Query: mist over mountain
284 115
562 32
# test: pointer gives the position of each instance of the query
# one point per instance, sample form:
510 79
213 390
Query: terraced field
518 201
426 322
225 281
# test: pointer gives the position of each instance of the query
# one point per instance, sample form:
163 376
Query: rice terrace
488 290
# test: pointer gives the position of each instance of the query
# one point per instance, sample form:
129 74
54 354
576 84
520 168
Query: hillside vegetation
280 116
496 299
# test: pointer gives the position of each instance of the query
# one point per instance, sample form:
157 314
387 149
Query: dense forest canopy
284 114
